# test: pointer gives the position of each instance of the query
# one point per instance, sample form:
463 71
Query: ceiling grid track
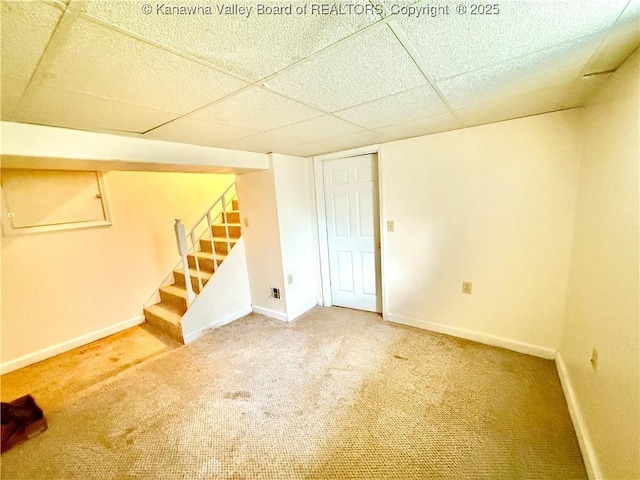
251 83
415 56
262 82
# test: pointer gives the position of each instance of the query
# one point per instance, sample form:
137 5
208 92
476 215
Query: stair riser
219 231
174 331
175 302
179 279
206 264
234 204
221 247
231 217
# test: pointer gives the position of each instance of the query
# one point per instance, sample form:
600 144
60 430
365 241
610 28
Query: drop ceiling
303 84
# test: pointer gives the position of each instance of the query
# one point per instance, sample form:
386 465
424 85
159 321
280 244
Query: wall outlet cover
275 293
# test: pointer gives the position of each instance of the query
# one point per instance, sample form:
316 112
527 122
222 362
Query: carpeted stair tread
209 251
221 245
165 313
166 319
209 256
175 290
234 230
224 240
206 276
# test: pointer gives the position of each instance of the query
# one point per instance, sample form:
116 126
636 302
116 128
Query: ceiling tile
337 144
453 44
308 131
257 109
528 59
421 126
531 103
253 45
98 61
417 103
11 92
367 67
261 143
198 132
26 30
306 150
554 66
62 108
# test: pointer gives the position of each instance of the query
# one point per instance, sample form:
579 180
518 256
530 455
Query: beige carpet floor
336 394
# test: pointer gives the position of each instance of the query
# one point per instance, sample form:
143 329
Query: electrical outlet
246 222
275 293
466 287
390 226
290 278
594 358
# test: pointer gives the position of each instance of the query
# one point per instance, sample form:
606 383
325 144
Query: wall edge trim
232 317
304 308
579 424
65 346
271 313
495 341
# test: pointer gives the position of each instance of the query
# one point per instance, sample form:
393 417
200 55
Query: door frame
323 238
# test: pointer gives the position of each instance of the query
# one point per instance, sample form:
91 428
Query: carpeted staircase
167 314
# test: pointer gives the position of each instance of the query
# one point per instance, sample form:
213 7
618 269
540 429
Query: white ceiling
303 84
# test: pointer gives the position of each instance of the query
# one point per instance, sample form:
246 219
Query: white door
351 198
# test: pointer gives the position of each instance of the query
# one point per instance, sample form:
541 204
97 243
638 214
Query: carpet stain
400 358
243 394
106 443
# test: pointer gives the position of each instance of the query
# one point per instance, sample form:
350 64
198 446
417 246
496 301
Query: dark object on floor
21 420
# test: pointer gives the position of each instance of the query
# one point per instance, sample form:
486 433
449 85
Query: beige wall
63 285
225 298
278 204
602 304
493 205
296 209
257 195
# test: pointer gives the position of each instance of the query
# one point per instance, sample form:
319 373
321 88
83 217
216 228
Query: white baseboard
54 350
283 317
514 345
586 447
304 308
271 313
218 323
